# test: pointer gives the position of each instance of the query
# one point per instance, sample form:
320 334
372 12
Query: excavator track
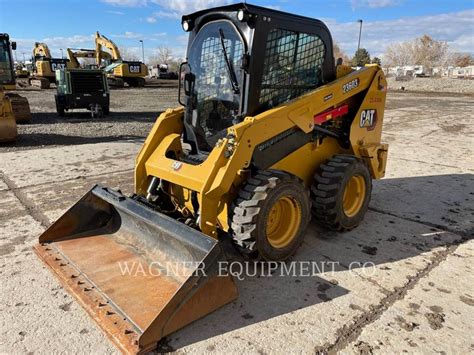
20 107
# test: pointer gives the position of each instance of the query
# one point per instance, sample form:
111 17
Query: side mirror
14 46
189 79
183 68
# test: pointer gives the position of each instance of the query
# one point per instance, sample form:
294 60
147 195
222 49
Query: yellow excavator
75 54
271 132
45 66
118 70
13 107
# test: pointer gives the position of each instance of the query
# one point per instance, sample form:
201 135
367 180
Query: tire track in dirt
37 215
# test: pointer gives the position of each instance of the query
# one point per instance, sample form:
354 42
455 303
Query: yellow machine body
217 180
8 130
210 165
13 107
119 71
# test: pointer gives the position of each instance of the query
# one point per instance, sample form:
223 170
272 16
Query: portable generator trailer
82 89
271 132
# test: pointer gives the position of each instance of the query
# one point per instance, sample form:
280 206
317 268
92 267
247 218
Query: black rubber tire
106 110
249 212
327 192
60 110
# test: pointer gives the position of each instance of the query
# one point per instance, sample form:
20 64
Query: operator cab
243 60
7 74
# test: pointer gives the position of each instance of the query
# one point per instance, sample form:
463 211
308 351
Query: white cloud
25 45
455 28
128 35
273 7
373 4
186 7
174 9
126 3
115 12
163 14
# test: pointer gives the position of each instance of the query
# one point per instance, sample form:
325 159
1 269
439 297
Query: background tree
463 60
361 58
164 55
429 52
399 54
129 54
339 53
423 50
376 60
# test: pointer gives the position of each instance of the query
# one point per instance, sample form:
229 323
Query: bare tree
463 60
399 54
421 51
129 54
164 55
339 53
430 53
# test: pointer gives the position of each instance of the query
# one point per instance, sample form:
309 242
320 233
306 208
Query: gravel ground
133 112
414 296
444 85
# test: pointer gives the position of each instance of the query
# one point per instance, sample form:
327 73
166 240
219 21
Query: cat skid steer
272 131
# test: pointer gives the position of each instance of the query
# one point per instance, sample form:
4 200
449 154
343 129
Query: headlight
186 26
241 15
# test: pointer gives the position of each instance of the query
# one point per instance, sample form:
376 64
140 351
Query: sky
72 23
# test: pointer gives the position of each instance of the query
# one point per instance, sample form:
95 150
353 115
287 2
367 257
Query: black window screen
292 66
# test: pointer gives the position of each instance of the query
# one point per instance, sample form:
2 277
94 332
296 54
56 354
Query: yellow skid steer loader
271 132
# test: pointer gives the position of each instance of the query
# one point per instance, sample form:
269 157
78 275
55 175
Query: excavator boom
119 71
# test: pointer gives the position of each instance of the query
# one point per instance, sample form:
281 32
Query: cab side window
292 66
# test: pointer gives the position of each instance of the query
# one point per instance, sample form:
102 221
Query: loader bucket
8 131
140 274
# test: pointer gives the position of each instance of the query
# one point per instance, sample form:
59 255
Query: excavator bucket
140 274
8 130
20 107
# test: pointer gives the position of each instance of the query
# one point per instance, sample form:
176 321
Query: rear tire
270 215
60 110
341 192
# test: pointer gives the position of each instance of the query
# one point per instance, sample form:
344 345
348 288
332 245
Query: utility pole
23 53
62 56
360 34
143 51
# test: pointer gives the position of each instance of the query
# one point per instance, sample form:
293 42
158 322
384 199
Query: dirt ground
133 111
415 293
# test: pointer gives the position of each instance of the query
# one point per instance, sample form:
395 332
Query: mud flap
140 274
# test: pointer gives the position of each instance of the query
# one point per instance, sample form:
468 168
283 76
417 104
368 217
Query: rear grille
87 82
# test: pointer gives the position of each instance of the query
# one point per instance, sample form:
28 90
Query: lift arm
102 41
41 50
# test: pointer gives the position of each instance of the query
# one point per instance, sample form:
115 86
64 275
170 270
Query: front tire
270 216
60 110
341 193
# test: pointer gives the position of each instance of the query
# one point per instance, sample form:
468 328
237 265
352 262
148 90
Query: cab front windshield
215 60
6 74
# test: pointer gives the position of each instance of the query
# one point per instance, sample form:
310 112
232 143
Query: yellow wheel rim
283 222
354 195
